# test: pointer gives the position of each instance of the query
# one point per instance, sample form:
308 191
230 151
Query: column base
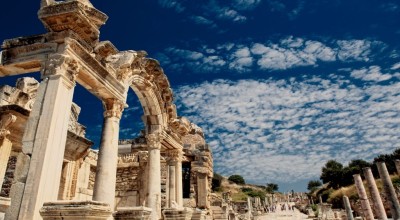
199 215
72 210
133 213
4 204
178 214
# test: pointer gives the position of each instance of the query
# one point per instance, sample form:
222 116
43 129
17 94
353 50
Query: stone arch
156 97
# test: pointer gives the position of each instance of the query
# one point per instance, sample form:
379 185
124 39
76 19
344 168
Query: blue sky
279 87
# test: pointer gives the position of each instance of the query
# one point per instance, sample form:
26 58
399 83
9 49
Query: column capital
61 65
5 121
113 108
174 155
154 141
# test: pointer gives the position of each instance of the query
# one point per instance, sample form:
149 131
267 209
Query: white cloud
284 54
373 73
286 130
173 4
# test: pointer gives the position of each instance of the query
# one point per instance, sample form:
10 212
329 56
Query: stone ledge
177 213
133 213
68 210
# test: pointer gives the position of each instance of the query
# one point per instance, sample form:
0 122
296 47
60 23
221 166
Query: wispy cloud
285 54
211 12
286 130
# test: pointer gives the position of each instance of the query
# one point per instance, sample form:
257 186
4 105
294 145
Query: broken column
397 163
389 190
44 140
365 206
154 171
373 190
106 173
347 206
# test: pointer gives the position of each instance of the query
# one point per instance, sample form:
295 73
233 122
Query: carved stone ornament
126 64
113 108
5 121
63 65
174 155
154 141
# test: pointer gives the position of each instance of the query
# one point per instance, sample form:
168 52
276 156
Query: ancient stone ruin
47 167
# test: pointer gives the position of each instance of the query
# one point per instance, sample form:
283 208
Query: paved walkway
283 215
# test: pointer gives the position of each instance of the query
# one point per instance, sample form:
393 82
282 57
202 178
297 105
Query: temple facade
48 169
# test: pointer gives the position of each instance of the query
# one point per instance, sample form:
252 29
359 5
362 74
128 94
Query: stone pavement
283 215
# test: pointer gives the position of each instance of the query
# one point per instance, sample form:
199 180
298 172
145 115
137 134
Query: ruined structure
47 168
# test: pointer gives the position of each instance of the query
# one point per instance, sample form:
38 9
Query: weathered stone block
133 213
22 168
178 214
72 210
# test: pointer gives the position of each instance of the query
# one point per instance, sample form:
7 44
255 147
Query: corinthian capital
113 108
62 65
5 121
154 141
175 155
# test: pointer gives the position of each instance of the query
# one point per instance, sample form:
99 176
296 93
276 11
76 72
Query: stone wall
127 179
92 177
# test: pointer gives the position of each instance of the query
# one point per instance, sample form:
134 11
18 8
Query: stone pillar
202 190
154 174
397 163
178 172
44 140
5 144
373 190
389 190
171 185
365 206
106 172
347 206
175 160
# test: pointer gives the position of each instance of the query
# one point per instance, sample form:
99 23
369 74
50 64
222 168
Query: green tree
332 173
313 185
237 179
272 187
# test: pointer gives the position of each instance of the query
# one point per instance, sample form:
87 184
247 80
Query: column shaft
106 172
389 190
347 206
45 138
179 187
373 190
366 208
154 186
5 151
171 185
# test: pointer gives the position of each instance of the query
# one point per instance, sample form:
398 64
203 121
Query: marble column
347 206
179 186
154 175
175 157
389 190
5 144
44 140
376 197
171 185
106 172
397 163
365 206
